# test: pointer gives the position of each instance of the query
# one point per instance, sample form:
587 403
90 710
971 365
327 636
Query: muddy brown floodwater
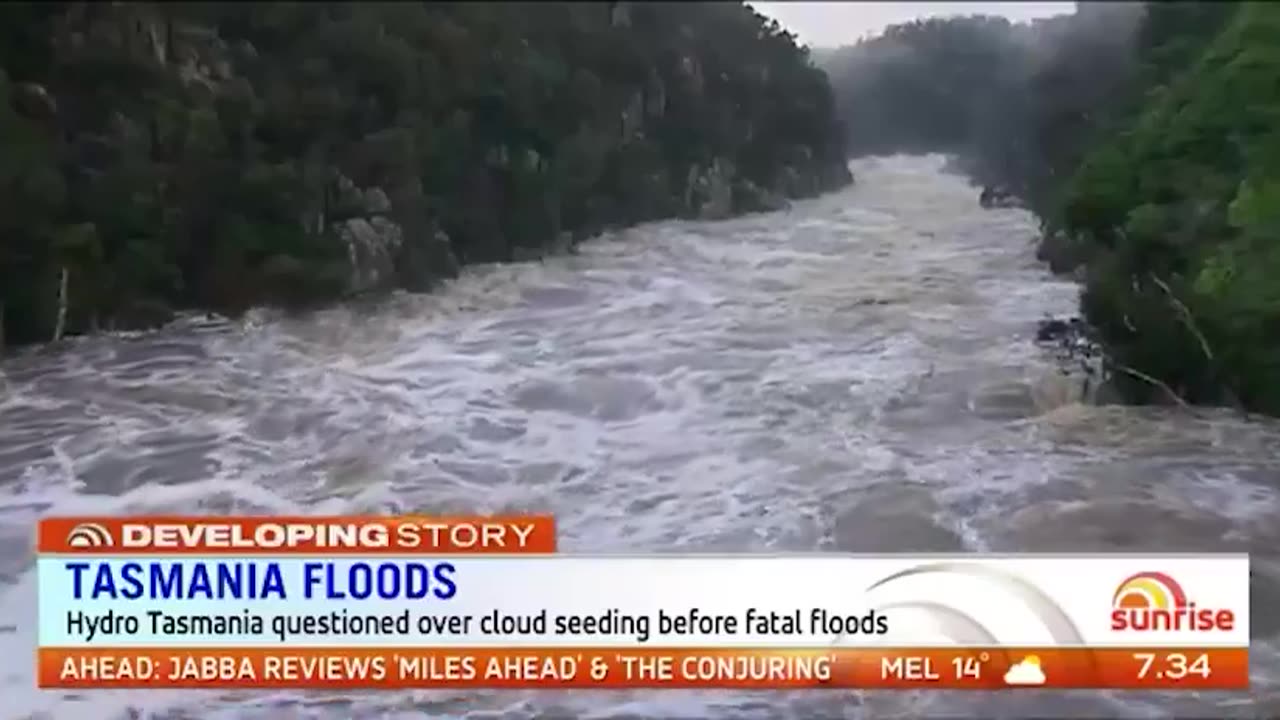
855 374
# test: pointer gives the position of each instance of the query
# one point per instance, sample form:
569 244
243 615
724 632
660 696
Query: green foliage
1255 211
1018 105
216 150
1149 144
1199 192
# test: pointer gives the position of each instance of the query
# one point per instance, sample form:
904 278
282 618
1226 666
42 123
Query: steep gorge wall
156 156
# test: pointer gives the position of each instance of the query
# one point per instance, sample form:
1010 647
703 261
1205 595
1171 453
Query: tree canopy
1147 138
216 155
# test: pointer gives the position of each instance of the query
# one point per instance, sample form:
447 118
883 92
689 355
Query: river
856 374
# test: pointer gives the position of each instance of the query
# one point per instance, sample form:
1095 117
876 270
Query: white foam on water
853 373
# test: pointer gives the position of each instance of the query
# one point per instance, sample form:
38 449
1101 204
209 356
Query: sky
832 24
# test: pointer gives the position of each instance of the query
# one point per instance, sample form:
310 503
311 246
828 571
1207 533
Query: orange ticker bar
960 668
297 535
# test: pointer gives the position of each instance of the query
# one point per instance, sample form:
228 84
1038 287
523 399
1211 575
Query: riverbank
1174 225
164 157
1143 135
388 270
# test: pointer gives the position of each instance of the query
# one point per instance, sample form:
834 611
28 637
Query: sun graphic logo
89 535
1155 602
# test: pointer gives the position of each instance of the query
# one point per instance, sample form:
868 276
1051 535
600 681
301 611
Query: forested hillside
1016 103
155 156
1177 218
1147 138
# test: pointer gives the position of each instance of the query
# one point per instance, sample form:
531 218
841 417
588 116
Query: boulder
749 197
34 101
372 247
347 201
424 261
835 176
995 197
709 191
376 202
789 183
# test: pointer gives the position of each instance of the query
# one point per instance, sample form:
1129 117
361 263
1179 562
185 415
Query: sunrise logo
1155 602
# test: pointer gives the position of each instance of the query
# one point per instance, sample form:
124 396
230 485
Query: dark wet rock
1063 253
142 315
1077 352
1051 330
709 190
749 197
1060 330
425 260
834 176
372 246
34 101
994 197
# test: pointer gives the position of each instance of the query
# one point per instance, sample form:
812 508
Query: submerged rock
995 197
1079 356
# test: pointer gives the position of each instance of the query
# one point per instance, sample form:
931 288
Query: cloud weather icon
1027 672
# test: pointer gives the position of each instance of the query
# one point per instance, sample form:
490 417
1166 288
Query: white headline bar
670 601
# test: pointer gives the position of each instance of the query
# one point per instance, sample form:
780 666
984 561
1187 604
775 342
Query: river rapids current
855 374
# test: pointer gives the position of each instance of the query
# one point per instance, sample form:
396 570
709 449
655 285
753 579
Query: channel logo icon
1155 602
90 535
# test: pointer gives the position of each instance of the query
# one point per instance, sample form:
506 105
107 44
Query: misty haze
943 283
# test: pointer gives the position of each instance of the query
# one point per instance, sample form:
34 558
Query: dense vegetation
1016 103
1148 141
1178 220
217 155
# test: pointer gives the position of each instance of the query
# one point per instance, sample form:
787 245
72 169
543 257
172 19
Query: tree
222 152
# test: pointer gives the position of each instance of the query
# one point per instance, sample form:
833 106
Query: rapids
855 374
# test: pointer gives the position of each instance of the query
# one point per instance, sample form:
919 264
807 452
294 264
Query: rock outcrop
231 155
711 194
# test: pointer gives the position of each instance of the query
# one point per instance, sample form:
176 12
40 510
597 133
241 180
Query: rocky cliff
156 156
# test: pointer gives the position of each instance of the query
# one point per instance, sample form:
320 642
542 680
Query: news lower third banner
367 602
